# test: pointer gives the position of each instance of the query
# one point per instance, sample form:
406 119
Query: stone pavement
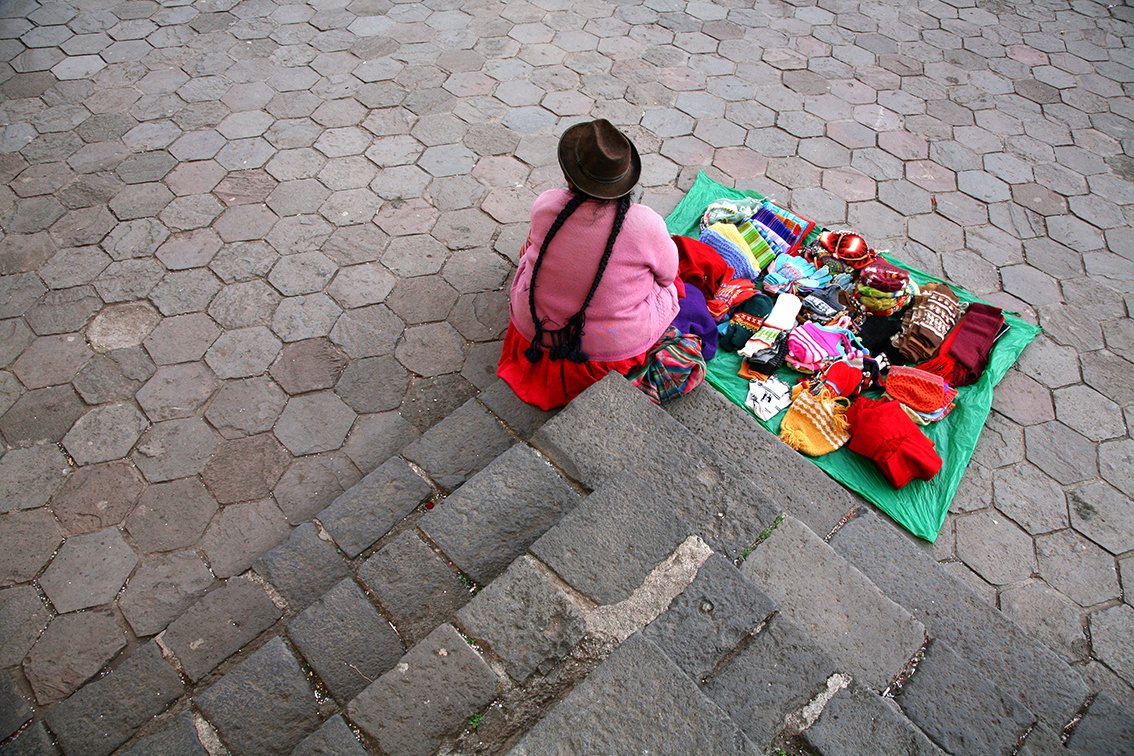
253 249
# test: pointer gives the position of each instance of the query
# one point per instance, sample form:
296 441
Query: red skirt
549 384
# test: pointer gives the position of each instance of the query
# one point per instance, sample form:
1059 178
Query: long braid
534 352
568 341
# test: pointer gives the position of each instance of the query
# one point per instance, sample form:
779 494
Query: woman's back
636 298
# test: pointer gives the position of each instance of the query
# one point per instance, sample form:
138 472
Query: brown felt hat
599 159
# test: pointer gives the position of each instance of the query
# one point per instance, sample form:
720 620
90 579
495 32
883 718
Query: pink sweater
636 299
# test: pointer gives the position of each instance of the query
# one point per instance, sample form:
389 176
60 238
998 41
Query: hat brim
587 185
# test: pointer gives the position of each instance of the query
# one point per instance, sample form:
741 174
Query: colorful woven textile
674 366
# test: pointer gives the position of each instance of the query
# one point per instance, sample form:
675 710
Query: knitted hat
919 390
728 296
881 431
843 378
815 424
746 320
876 335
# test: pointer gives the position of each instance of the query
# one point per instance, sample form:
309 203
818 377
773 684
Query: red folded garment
881 430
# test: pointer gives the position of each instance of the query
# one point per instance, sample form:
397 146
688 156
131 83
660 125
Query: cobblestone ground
250 249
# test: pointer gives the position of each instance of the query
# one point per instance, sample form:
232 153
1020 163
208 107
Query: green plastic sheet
920 507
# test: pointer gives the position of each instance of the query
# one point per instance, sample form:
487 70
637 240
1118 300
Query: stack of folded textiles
927 322
731 246
884 289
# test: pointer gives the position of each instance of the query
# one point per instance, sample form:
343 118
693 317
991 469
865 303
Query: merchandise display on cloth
768 397
927 322
816 422
730 245
912 478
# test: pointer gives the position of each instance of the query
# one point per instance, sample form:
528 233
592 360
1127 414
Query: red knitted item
699 265
963 355
882 431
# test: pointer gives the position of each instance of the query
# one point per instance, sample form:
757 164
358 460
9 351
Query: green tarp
921 506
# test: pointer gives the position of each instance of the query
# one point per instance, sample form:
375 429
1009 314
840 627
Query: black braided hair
567 342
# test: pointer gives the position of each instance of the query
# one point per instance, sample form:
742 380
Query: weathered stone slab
431 693
71 651
460 445
29 477
334 738
525 619
104 714
1111 630
858 720
523 418
264 704
869 635
367 511
246 468
15 707
33 741
630 704
217 626
417 587
177 738
313 423
709 618
245 407
105 433
499 512
798 486
1103 514
960 708
27 541
171 515
779 671
312 483
303 567
241 533
162 587
89 570
990 643
1076 567
174 449
1105 725
23 618
97 497
345 640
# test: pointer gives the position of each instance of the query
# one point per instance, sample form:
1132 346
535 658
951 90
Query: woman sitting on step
594 289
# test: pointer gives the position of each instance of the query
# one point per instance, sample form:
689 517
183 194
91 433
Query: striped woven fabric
674 367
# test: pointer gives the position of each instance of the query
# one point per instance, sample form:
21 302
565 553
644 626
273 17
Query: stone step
870 636
308 601
888 565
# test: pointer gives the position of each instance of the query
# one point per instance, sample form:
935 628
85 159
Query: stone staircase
516 582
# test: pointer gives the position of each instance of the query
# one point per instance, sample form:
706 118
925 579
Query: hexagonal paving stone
373 384
183 338
246 468
174 449
423 299
1110 634
431 349
995 548
303 273
191 249
1077 568
360 285
1060 452
105 433
41 415
1102 514
243 352
1089 412
97 497
161 588
171 515
23 618
136 238
367 331
29 539
241 533
51 360
89 570
72 650
122 326
314 423
305 317
244 261
248 303
1030 498
245 407
245 223
308 365
177 391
